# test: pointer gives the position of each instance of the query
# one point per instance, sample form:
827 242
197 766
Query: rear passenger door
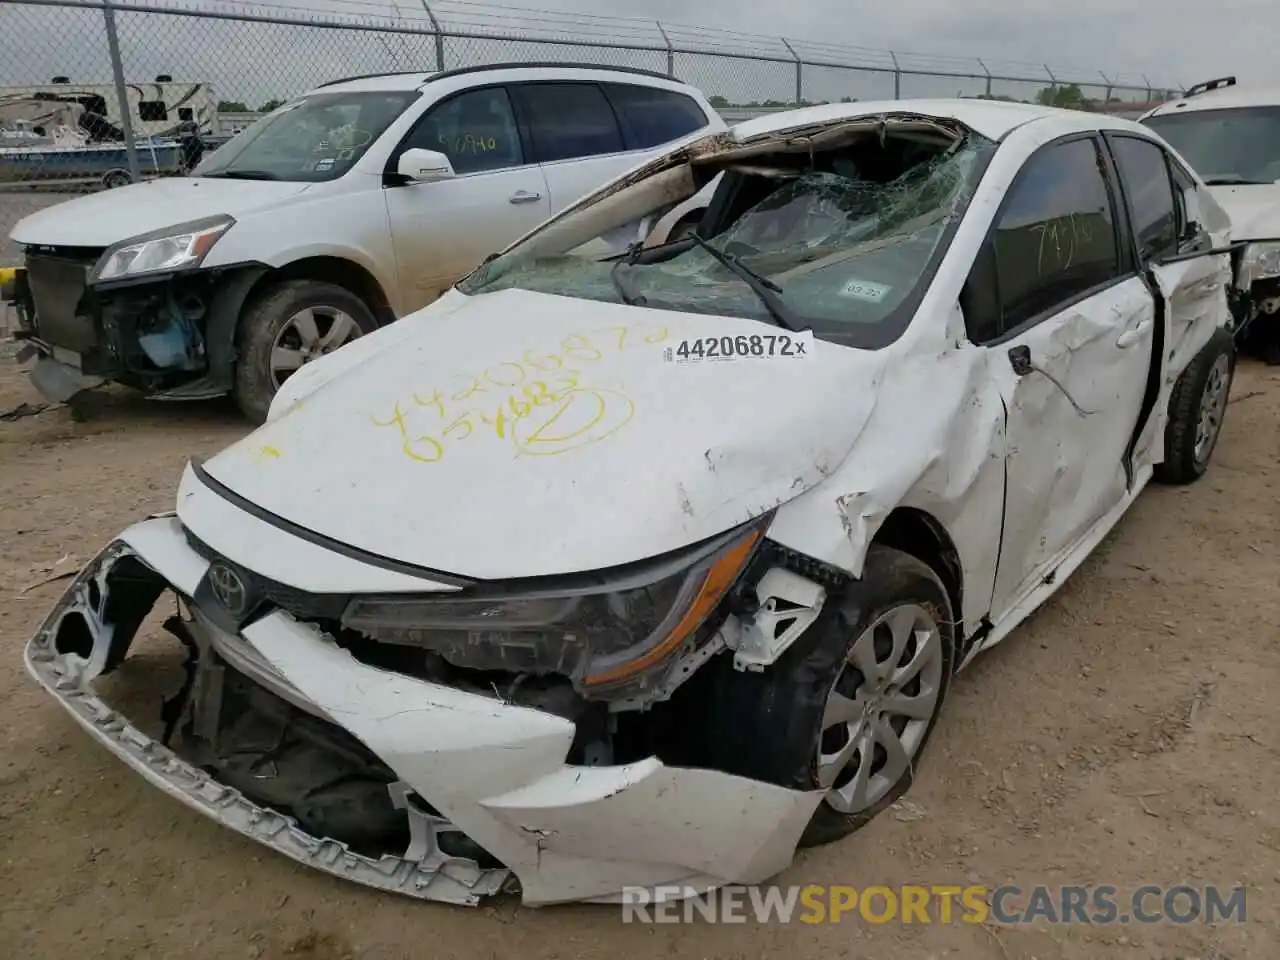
1069 324
585 134
1169 221
574 134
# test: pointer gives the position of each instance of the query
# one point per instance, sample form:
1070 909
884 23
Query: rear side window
1148 191
651 117
476 130
568 120
1054 239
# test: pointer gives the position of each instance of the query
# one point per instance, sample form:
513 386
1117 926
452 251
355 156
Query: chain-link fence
97 93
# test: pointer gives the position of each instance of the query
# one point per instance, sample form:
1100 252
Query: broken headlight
173 248
1261 262
613 637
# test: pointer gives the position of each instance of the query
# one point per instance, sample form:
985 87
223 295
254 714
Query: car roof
1221 99
499 72
991 118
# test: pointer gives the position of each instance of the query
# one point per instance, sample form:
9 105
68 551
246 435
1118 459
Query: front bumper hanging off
491 770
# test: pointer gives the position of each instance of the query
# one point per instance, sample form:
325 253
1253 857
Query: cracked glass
844 251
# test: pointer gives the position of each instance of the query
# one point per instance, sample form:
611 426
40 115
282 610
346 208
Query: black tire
1181 463
767 725
116 178
262 321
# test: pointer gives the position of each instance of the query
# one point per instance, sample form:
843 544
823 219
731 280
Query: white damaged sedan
638 561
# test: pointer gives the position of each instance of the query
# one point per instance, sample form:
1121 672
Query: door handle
524 196
1130 337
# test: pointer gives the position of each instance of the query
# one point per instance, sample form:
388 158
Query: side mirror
424 166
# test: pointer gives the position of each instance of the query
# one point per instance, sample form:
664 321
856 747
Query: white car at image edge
357 203
1230 135
613 571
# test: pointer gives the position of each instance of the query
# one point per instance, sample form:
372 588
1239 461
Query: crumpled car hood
519 434
1254 210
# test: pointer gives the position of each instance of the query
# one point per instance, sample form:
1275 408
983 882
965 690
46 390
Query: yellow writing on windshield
539 403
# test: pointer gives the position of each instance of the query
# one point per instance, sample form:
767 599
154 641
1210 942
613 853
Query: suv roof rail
368 76
1209 85
513 65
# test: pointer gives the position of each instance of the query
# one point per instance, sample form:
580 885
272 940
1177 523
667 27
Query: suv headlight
1261 262
173 248
612 638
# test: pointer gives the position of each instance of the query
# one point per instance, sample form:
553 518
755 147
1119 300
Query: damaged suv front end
135 313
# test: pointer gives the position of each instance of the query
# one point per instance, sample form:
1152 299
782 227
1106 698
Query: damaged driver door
1069 327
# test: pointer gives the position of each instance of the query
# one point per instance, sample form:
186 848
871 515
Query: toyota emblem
228 588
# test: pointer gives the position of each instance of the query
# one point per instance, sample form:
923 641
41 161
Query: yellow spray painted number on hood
540 403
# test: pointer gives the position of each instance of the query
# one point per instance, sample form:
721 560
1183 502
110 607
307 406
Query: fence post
1148 83
799 73
435 26
897 76
988 73
1110 86
122 93
1053 81
671 53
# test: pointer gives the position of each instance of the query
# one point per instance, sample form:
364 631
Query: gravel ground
1126 734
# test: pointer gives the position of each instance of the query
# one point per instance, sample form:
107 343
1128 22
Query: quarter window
569 120
476 130
651 117
1144 174
1054 239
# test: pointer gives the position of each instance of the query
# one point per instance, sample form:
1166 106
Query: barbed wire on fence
250 56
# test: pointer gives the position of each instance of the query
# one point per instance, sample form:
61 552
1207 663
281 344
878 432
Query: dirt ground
1127 734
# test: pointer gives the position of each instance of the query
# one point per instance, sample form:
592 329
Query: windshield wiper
762 287
1232 180
626 292
243 175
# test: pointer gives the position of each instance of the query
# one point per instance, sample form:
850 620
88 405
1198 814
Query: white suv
1231 136
360 202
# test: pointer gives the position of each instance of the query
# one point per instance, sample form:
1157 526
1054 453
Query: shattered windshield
1236 146
318 137
837 250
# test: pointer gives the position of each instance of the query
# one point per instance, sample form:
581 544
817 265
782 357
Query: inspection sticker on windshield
795 345
865 290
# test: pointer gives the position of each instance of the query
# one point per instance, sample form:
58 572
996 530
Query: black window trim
1126 265
629 138
390 174
1179 213
526 128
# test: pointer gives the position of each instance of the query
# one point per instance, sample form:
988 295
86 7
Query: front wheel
848 707
288 326
1196 411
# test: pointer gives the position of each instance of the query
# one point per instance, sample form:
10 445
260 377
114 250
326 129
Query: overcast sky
1174 42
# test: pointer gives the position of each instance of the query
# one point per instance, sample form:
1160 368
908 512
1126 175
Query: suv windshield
316 138
1240 145
838 253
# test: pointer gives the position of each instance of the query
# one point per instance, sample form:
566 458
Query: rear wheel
1197 408
288 326
851 704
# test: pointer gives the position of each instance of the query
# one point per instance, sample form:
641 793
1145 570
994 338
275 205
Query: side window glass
1149 195
1054 239
651 117
476 130
569 120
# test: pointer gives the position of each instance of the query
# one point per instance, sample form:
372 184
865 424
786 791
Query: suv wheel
285 328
